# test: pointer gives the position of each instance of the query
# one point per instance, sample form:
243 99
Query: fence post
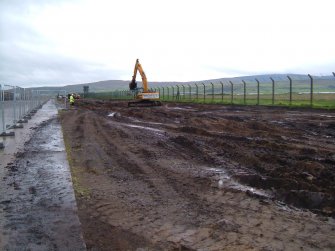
244 92
212 92
204 92
163 93
65 99
178 93
24 101
190 90
290 89
257 91
197 91
273 91
14 104
168 90
30 94
311 89
28 101
2 101
183 92
231 92
33 94
221 91
20 105
38 99
172 92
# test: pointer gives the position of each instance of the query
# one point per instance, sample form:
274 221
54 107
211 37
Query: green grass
326 101
79 189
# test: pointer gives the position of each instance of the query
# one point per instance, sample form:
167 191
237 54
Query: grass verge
79 189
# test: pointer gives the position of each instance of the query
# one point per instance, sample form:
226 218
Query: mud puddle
189 109
226 181
145 122
22 135
158 132
145 128
37 205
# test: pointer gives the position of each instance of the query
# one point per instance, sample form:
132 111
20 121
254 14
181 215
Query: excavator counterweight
143 96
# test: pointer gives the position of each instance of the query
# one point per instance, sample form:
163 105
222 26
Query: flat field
202 177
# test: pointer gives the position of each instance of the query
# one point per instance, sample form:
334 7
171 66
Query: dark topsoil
160 177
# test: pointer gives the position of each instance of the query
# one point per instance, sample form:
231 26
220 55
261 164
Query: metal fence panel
16 104
287 90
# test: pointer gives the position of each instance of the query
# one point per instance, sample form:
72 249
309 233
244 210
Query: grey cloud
27 68
28 60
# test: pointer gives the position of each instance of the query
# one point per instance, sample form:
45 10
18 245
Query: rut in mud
202 177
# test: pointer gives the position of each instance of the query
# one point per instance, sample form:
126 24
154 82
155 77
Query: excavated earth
202 177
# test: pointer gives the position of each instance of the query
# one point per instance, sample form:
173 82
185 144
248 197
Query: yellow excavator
144 97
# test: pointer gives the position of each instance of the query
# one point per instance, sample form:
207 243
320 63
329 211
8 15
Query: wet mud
202 177
37 203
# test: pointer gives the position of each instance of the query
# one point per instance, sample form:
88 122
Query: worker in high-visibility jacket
71 100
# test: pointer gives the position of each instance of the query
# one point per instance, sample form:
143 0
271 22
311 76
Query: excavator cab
143 96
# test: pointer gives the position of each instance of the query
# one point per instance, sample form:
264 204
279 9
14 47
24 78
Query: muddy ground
37 204
202 177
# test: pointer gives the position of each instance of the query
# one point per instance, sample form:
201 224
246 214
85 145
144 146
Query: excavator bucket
133 85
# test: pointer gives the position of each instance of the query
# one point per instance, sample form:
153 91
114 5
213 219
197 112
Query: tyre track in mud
157 191
167 193
140 170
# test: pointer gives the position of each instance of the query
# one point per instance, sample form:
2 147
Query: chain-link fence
16 106
290 90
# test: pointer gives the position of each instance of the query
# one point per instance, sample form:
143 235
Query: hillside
111 85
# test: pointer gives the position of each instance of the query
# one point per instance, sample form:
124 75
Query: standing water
37 204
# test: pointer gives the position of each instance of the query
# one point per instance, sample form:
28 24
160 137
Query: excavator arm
133 84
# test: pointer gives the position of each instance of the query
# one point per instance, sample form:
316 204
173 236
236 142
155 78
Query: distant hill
111 85
101 86
283 77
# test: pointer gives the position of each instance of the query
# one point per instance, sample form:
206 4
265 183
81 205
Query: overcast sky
57 42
